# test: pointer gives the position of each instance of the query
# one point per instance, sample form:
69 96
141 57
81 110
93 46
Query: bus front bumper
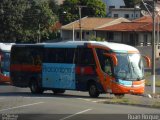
137 87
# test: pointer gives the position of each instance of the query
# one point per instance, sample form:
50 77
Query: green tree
11 14
69 11
54 6
37 21
25 21
131 3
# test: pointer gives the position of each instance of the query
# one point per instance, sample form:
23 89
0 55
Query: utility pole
153 40
153 48
39 33
80 21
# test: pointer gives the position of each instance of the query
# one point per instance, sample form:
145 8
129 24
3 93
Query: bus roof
6 46
113 46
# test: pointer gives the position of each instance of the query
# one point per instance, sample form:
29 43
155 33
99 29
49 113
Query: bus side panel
83 82
22 76
61 76
25 65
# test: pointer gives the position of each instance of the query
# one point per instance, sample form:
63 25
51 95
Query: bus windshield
130 67
5 62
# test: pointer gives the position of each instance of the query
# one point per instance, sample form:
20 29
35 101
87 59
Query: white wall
116 3
66 34
133 14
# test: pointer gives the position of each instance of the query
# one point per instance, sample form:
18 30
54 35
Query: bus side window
85 62
105 62
70 55
55 55
86 56
107 67
60 55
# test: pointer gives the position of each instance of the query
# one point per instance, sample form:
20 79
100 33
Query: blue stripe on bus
6 73
55 75
124 82
120 51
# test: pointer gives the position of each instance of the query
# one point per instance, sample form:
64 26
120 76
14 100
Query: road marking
99 101
2 98
21 106
76 114
84 99
90 100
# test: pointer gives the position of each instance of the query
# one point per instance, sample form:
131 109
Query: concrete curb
151 95
137 105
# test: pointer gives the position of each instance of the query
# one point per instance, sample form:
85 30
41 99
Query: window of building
77 35
145 40
111 7
126 15
122 6
110 36
87 33
132 15
115 15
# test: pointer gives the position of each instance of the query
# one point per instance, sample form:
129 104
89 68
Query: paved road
68 106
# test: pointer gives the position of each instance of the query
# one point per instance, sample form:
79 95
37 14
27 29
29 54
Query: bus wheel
35 88
58 91
119 95
93 91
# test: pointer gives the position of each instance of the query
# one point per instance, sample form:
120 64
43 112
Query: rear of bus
5 62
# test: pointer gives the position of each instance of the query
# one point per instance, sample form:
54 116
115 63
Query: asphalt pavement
19 102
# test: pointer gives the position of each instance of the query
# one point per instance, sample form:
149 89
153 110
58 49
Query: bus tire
93 91
58 91
119 95
34 87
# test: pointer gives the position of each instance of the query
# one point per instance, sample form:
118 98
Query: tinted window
85 56
26 55
70 55
105 62
60 55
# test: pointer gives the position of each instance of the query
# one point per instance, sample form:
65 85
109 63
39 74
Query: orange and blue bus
5 49
96 67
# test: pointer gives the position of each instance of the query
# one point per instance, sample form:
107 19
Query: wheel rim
33 87
92 90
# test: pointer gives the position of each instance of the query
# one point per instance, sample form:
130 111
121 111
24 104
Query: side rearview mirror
0 58
113 57
148 60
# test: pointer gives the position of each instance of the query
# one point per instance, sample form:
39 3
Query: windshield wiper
138 77
133 68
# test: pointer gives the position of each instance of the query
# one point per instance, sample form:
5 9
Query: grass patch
149 81
126 101
156 104
122 101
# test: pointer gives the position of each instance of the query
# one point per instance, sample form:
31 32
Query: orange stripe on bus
138 82
131 52
26 68
4 79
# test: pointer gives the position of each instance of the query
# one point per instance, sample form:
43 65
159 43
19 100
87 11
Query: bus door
106 69
57 70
